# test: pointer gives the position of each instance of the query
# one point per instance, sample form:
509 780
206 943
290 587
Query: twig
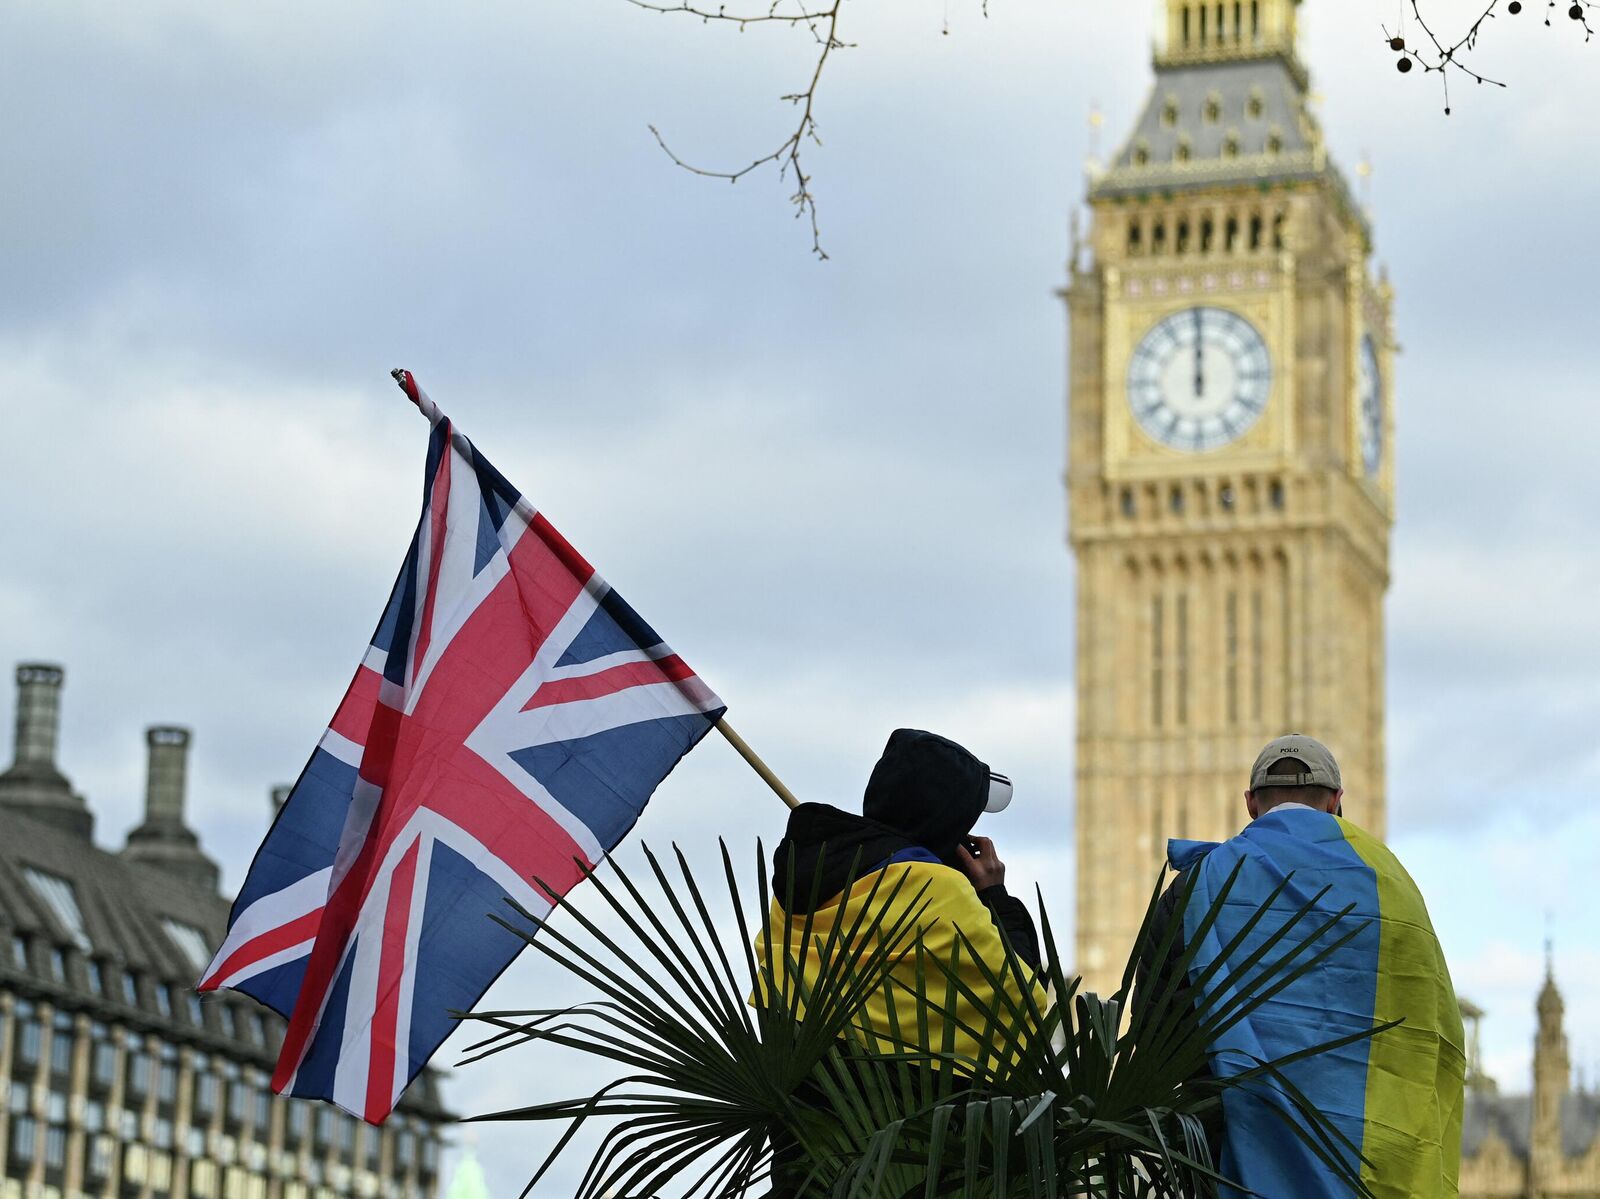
823 25
1446 57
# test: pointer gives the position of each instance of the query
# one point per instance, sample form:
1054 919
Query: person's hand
981 864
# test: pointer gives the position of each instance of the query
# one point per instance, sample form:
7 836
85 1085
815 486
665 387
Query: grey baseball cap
1318 767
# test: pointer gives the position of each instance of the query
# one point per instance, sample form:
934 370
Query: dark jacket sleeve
1155 971
1011 917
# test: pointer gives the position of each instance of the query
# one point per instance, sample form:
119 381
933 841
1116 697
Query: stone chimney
34 784
164 840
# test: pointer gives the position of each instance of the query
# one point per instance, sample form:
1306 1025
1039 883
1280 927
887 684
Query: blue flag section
507 725
1396 1096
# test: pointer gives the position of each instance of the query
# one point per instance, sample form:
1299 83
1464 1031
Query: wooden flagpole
756 764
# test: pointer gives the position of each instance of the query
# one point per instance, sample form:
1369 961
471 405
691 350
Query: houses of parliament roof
121 935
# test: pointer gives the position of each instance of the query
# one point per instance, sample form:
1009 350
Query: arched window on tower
1157 644
1230 639
1181 244
1183 659
1231 235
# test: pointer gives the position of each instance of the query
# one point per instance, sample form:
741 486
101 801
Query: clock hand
1199 360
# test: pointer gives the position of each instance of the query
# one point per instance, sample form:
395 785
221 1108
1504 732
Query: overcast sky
834 487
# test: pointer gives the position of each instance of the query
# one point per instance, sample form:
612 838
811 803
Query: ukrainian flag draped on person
1396 1096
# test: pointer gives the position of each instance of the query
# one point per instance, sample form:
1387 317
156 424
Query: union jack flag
510 719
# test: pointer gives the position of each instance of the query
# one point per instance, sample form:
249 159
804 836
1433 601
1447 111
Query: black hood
928 789
821 848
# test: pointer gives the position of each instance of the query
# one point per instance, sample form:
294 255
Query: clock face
1200 379
1370 384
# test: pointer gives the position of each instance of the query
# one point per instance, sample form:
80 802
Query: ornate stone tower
1552 1076
1229 469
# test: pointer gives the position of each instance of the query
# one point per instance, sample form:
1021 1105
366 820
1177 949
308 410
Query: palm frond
726 1052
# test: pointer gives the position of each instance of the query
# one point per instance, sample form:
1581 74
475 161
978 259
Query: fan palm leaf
725 1052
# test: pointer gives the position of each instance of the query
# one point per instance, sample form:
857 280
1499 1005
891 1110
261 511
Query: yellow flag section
941 983
1414 1071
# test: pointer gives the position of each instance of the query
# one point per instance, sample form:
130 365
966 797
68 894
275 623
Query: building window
403 1149
347 1135
30 1036
1157 642
100 1153
299 1120
1213 109
1183 659
237 1093
161 1134
57 895
430 1154
205 1091
130 988
164 999
324 1125
96 977
19 951
167 1086
203 1179
230 1025
191 942
55 1107
103 1064
20 1099
94 1116
1275 494
1257 653
197 1013
1256 105
128 1124
140 1068
259 1023
55 1147
23 1131
61 1044
263 1108
1231 645
58 965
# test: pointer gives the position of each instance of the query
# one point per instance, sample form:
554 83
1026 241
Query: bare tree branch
822 22
1442 59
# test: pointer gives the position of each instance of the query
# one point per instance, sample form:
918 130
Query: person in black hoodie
914 843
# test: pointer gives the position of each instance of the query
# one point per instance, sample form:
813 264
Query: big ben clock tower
1230 472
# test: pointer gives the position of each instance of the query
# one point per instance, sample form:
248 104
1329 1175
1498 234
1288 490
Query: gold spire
1216 30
